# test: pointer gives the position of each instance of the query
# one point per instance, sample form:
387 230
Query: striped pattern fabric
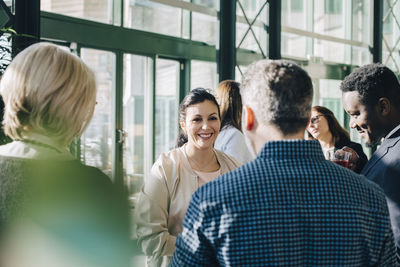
288 207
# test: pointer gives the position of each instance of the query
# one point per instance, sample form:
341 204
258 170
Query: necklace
196 164
37 143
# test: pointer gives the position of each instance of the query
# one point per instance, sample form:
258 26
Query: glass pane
100 10
246 39
332 51
208 3
295 45
137 104
203 74
155 17
205 28
329 18
252 8
97 141
294 13
362 21
249 41
9 2
239 72
166 117
330 96
360 56
391 34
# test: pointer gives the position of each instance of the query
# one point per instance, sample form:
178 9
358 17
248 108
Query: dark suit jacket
384 169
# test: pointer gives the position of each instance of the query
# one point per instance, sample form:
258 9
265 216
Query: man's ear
249 118
384 106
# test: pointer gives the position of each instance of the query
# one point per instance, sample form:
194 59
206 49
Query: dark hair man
289 206
371 96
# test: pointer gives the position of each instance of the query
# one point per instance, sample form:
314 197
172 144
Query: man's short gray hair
278 92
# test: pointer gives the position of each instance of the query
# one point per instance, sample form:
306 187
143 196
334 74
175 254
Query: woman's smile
202 124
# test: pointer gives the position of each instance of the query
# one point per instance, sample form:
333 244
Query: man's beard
373 142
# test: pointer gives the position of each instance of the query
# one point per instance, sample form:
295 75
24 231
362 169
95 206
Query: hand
353 158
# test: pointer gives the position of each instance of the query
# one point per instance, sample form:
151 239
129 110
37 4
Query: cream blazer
163 202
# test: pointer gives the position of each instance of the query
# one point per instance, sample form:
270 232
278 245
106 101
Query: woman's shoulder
23 150
168 164
169 158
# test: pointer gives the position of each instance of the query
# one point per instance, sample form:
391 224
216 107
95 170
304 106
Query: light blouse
163 202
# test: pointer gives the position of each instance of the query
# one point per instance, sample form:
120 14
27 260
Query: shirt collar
44 140
23 149
292 149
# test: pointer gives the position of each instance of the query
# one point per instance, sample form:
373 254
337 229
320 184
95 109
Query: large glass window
255 13
361 31
137 118
330 19
391 34
196 20
97 141
155 17
167 93
296 14
100 10
310 28
205 27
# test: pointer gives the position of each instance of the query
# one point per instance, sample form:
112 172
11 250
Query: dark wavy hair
230 102
372 82
195 96
339 134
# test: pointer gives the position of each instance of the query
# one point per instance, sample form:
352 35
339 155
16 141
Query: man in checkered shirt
289 206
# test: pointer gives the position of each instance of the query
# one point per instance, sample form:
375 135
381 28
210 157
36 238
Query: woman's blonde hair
50 91
230 103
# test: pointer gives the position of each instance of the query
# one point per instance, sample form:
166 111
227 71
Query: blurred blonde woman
65 211
231 139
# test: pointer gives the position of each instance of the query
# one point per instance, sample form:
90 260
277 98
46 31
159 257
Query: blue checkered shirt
288 207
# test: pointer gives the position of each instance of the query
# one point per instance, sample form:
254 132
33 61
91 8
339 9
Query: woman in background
325 128
231 139
177 174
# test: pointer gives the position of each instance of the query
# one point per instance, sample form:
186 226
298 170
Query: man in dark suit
371 96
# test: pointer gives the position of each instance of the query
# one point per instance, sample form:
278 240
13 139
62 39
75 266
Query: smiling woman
177 174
